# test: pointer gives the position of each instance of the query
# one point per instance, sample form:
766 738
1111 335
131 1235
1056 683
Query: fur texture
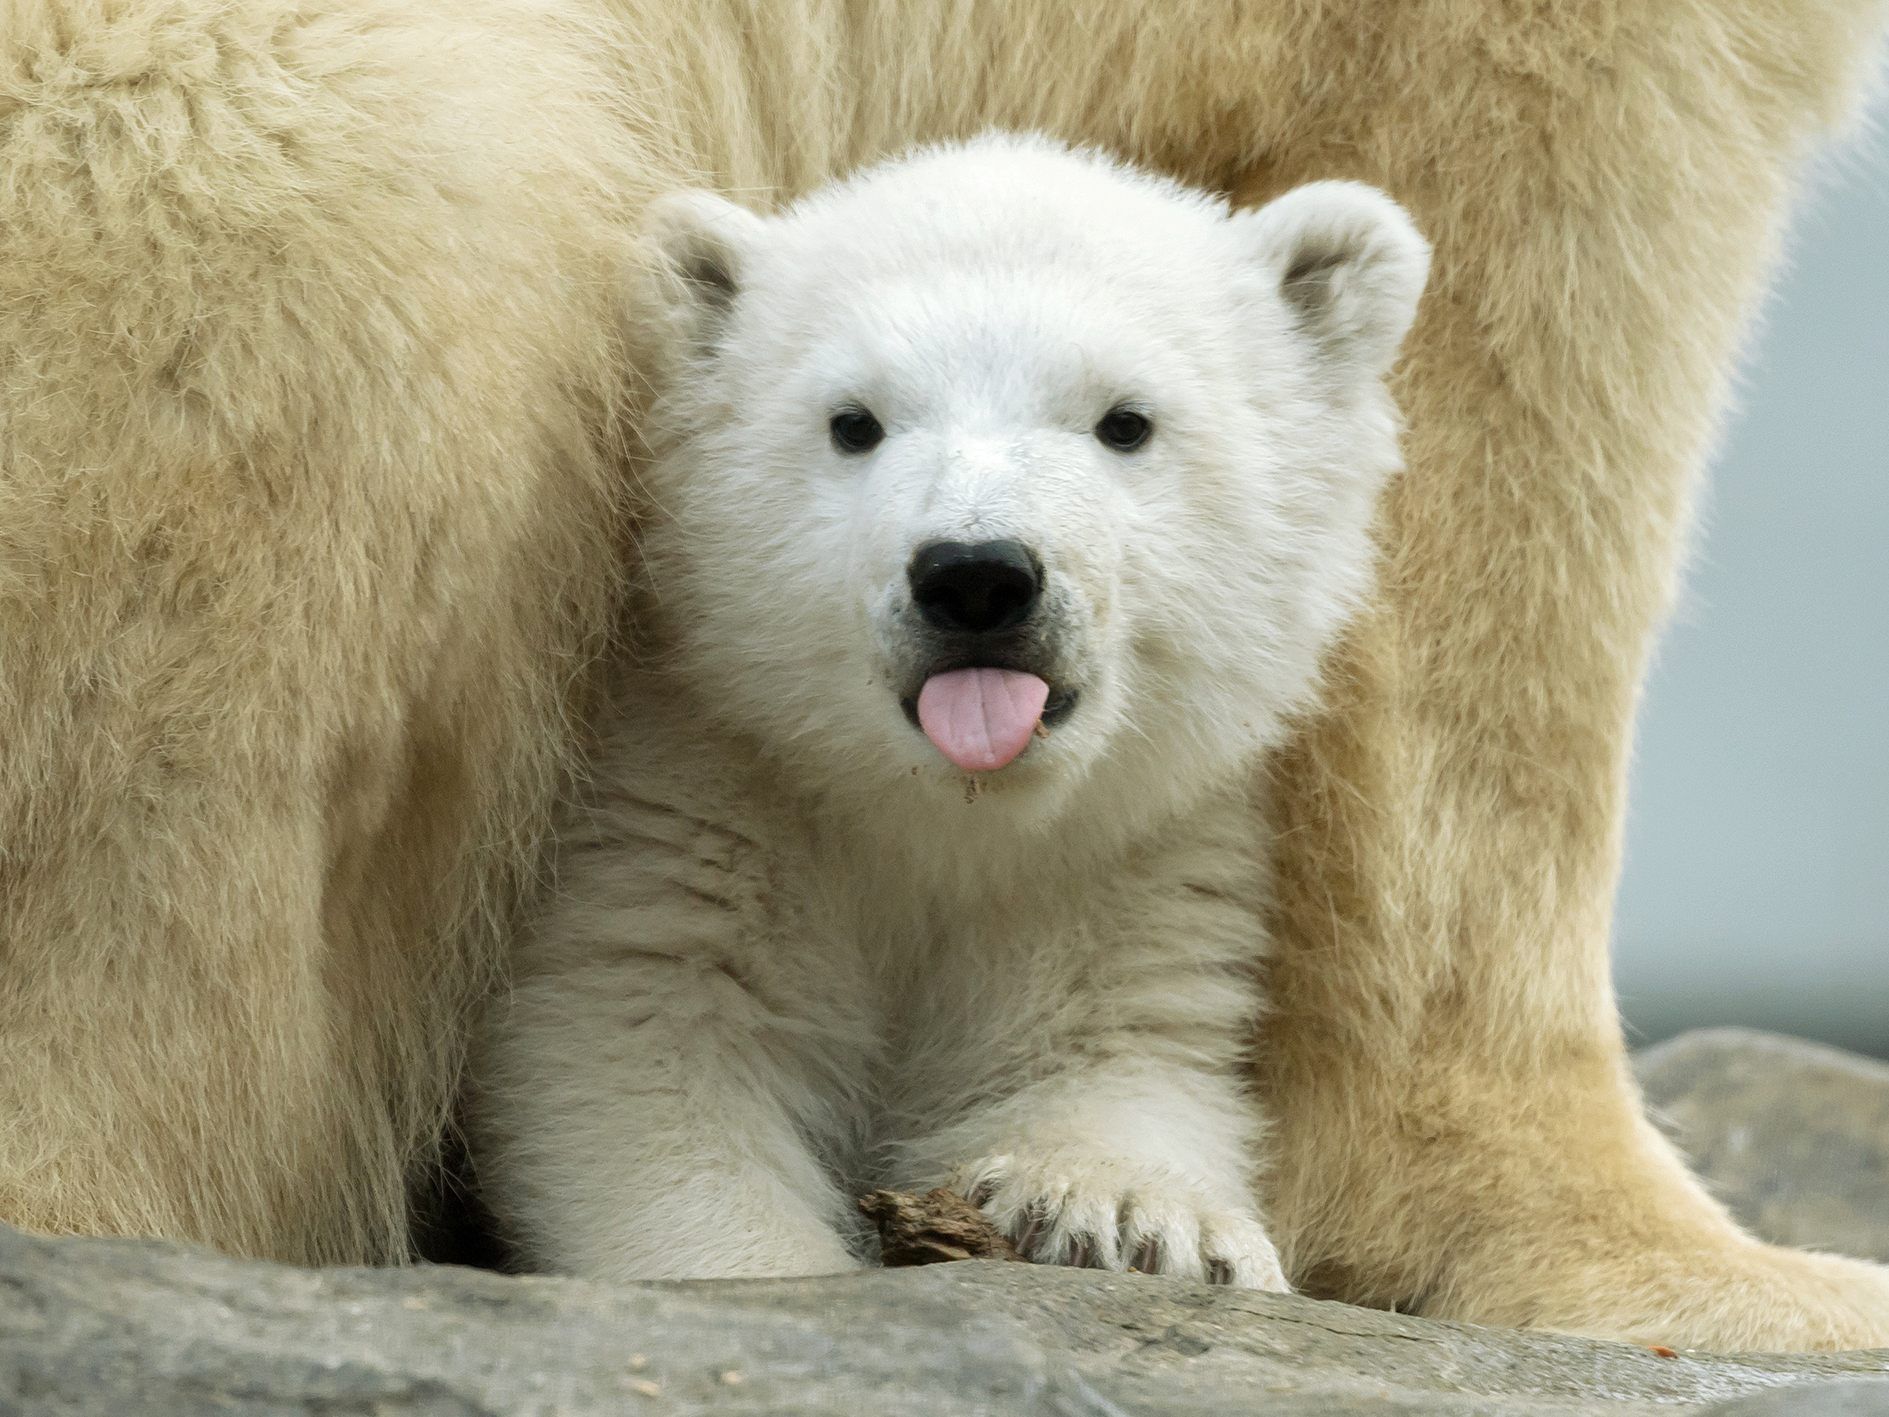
792 951
308 350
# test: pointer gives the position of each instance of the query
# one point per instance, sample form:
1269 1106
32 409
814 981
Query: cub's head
1008 462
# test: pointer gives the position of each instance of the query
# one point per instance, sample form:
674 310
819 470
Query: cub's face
1003 462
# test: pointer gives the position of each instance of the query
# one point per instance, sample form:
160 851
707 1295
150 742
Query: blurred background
1756 888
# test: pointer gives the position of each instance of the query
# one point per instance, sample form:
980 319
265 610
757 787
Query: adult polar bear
308 390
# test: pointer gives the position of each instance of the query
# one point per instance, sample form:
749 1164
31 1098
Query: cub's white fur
791 952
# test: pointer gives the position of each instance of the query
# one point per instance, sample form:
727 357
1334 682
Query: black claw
1148 1256
1033 1223
1219 1272
1081 1254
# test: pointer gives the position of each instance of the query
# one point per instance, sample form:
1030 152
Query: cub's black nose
975 587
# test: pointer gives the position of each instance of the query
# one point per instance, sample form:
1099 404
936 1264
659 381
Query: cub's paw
1114 1215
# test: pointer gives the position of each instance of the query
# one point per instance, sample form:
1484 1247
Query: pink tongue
981 718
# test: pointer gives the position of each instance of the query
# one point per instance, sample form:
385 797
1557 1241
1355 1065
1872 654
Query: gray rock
111 1327
1856 1397
117 1327
1792 1136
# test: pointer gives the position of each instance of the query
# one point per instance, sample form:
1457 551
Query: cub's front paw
1100 1214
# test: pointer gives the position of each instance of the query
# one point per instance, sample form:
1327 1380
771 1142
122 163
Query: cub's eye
855 431
1123 429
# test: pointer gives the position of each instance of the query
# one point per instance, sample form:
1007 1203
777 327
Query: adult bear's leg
306 524
1459 1132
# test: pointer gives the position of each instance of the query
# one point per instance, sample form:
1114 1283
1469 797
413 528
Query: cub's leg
663 1092
1105 1046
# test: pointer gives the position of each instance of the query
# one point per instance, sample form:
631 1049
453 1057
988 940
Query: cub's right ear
1350 266
698 245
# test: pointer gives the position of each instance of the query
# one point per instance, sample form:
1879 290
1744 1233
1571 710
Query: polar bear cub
1002 502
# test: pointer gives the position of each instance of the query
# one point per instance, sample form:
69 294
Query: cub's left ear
1350 265
699 245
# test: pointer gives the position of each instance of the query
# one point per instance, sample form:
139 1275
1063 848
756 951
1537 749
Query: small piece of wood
934 1228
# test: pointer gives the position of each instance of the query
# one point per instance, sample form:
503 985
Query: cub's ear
1350 265
698 247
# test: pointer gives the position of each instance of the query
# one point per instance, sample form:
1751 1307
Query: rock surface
89 1326
115 1327
1792 1136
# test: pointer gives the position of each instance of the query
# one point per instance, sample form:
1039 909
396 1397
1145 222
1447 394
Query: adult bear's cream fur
308 520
